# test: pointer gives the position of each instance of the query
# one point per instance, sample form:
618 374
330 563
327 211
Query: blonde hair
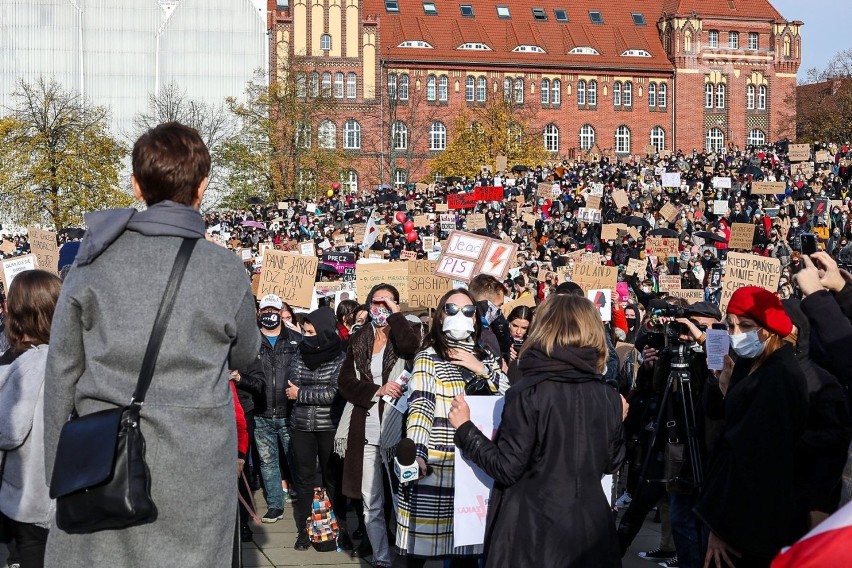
567 320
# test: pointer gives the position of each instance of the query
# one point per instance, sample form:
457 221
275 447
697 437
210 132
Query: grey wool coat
100 331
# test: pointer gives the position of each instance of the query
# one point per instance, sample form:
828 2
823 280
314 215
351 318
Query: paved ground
273 547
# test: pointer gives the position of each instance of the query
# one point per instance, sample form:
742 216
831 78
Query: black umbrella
453 179
73 233
663 232
750 170
633 221
255 200
324 267
520 168
708 236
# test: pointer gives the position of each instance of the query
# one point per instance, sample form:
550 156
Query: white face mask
458 327
748 344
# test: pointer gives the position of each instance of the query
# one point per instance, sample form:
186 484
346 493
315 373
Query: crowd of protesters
739 464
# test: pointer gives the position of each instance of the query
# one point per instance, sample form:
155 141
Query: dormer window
528 49
416 43
392 6
638 19
503 12
466 10
539 14
430 9
584 50
596 17
474 47
636 53
561 15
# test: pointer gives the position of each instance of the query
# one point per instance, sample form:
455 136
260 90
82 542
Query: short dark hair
169 163
346 311
484 286
389 287
30 306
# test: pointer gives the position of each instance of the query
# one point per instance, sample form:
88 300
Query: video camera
662 335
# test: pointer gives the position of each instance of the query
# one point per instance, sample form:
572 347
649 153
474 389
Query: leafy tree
212 122
57 158
499 127
824 103
275 152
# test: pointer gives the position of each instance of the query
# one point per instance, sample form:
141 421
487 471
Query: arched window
652 95
581 92
437 136
658 138
587 137
351 86
756 138
403 87
708 95
627 97
339 81
327 135
507 89
787 48
687 41
616 94
442 88
715 140
392 86
551 138
325 42
761 97
400 178
622 140
750 96
592 95
556 91
481 88
352 135
720 95
519 91
315 78
399 135
545 91
430 88
662 91
469 89
326 84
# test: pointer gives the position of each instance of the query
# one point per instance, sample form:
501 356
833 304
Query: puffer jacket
271 367
312 409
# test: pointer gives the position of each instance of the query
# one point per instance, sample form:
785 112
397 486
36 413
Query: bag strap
146 374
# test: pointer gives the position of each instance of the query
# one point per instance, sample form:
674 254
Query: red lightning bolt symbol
497 256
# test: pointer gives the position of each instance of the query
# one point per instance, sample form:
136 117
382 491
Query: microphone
405 463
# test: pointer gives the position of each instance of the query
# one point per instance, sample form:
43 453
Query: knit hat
762 306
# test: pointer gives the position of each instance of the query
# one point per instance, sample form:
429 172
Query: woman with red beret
748 503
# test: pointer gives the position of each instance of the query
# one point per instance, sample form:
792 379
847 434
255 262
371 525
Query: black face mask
310 342
631 323
269 321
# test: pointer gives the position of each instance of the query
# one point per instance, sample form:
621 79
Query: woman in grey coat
100 331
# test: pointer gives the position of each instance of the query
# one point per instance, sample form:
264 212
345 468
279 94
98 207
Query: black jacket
317 390
271 367
831 332
560 432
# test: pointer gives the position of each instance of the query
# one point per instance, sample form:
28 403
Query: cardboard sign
14 266
502 163
43 246
441 207
340 240
799 152
489 193
375 254
595 277
691 296
720 207
475 221
245 255
282 205
768 187
544 190
359 230
669 282
602 299
822 157
424 287
7 247
636 267
529 219
428 243
590 258
461 201
669 212
593 202
742 236
289 276
421 221
407 255
587 215
467 255
748 270
671 179
620 198
448 222
370 273
662 247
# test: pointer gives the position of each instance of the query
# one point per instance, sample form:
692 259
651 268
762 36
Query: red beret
763 307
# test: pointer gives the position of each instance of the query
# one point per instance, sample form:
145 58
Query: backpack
322 524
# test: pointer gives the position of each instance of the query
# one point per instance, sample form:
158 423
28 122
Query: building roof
617 33
741 9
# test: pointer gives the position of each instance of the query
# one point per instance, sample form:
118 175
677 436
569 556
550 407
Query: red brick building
595 75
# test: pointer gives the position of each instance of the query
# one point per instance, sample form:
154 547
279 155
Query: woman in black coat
560 433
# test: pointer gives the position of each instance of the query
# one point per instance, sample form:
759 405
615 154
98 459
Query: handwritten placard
669 282
768 187
595 276
636 267
424 287
467 255
289 276
14 266
370 273
669 212
742 236
799 152
662 247
619 196
744 269
691 296
43 246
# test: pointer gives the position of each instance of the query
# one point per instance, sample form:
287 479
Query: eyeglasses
452 309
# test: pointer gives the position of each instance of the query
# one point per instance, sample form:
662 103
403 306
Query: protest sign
595 277
422 221
742 236
307 248
602 299
720 207
609 232
636 266
340 240
822 157
662 247
489 193
448 222
282 205
799 152
8 247
467 255
43 246
359 230
620 198
245 254
669 282
428 243
544 190
593 202
461 201
671 179
529 218
633 232
767 187
342 262
690 295
590 258
407 255
441 207
424 288
587 215
596 189
744 269
370 272
722 182
375 254
14 266
502 163
421 187
475 221
668 212
289 276
472 485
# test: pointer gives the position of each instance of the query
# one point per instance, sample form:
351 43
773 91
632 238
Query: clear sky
826 29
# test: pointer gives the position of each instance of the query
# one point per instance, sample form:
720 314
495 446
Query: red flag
829 544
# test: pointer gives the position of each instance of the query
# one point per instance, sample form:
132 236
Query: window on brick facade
442 88
507 89
399 135
581 92
662 92
327 135
622 140
352 135
469 89
481 89
715 140
756 137
556 91
400 178
587 137
519 91
339 84
301 85
351 181
708 95
753 40
751 94
733 40
761 97
627 95
658 138
592 94
437 136
713 38
392 86
551 138
652 95
616 94
351 86
326 84
403 87
315 79
545 91
303 135
720 95
431 83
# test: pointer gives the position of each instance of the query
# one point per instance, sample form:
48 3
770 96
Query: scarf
567 363
328 342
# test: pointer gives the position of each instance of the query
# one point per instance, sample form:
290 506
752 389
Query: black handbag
100 479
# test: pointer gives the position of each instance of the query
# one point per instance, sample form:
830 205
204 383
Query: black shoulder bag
100 479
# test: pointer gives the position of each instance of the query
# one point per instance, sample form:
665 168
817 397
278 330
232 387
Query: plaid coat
425 511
